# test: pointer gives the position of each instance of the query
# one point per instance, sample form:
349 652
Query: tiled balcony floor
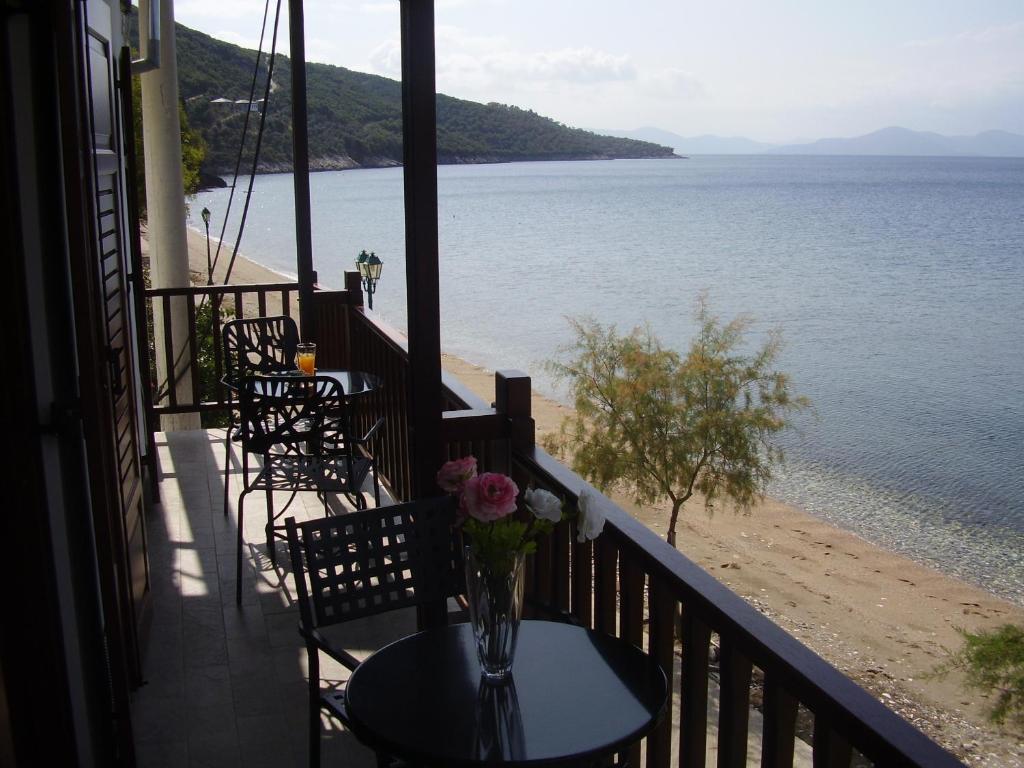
226 684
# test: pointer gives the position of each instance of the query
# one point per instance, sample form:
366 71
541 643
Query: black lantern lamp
370 266
209 264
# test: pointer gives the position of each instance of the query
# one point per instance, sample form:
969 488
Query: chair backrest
375 560
259 345
289 410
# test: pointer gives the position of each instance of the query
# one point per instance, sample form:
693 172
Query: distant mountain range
887 141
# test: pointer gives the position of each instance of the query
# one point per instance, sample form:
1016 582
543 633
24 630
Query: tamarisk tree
662 426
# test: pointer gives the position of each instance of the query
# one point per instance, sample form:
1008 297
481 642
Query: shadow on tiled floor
226 684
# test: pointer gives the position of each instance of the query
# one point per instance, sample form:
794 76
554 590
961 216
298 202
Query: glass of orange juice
305 357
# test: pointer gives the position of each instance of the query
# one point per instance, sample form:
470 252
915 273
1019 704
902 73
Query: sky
770 70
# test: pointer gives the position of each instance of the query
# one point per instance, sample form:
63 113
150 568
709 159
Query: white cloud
386 59
381 8
572 65
490 67
323 50
986 36
961 70
222 9
447 5
674 83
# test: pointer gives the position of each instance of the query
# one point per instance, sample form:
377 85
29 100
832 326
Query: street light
209 263
370 266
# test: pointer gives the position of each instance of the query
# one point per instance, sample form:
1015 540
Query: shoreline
327 163
881 617
255 272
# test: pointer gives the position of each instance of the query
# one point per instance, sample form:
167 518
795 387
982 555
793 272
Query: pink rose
454 474
489 497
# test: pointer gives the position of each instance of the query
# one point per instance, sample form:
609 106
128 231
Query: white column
165 203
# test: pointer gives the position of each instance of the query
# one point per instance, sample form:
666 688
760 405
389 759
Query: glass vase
495 594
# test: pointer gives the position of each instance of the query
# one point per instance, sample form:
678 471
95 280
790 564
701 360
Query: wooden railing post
512 402
354 286
512 398
661 641
693 717
334 334
733 705
779 731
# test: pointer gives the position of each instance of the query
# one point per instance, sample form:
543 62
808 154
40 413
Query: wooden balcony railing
195 355
629 582
472 426
632 584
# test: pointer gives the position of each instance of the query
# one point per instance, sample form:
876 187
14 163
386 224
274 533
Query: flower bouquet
498 538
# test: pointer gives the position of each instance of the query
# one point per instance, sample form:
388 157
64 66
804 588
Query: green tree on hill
663 426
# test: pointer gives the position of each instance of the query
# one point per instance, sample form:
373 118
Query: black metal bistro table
575 696
353 383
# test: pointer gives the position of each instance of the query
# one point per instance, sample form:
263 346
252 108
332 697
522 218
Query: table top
575 695
352 382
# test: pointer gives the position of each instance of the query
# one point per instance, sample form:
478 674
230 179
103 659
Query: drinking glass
305 358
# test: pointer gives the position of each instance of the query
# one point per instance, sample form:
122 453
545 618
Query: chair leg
238 558
227 466
271 549
314 706
376 486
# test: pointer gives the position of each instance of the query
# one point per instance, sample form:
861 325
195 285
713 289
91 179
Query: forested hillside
355 119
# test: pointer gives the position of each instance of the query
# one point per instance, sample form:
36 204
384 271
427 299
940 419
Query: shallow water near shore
898 284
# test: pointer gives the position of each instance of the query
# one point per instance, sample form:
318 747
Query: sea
897 284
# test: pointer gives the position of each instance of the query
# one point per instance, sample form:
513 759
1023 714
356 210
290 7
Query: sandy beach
881 618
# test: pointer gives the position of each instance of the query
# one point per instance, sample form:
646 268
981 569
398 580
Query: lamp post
370 266
209 263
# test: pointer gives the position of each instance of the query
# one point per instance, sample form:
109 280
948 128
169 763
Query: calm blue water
898 284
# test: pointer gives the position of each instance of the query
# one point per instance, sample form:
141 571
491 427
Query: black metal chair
299 427
362 564
252 346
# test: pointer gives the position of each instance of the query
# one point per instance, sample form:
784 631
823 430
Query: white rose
544 504
591 519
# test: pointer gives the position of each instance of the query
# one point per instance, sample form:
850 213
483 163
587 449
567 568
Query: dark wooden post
512 401
354 285
300 164
734 705
419 139
512 392
780 710
693 717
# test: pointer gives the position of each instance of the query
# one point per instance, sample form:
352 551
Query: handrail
866 724
180 355
470 423
212 290
632 583
629 582
455 391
